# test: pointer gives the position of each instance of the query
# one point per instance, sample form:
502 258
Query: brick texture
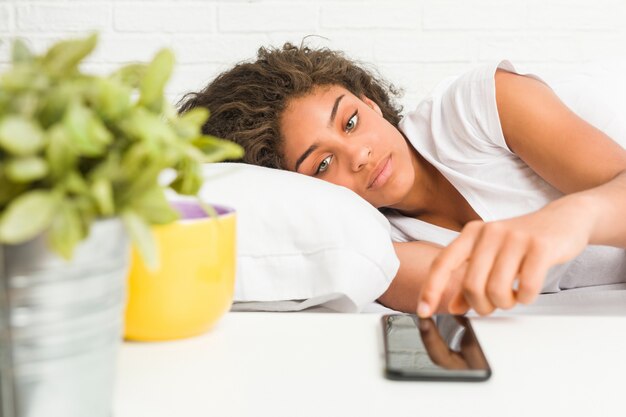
6 18
413 43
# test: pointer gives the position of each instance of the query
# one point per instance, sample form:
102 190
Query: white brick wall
413 43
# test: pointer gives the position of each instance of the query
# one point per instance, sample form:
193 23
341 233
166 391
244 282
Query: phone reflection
443 343
448 343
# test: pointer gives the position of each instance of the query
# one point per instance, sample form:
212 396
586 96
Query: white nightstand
316 364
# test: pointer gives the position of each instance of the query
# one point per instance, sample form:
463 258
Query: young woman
492 154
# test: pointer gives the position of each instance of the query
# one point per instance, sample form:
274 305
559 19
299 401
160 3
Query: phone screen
443 347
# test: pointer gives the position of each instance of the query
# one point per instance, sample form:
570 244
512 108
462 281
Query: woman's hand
496 254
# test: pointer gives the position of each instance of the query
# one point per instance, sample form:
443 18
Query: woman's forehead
319 104
319 107
308 117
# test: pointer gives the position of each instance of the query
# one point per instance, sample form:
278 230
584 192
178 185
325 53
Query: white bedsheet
598 300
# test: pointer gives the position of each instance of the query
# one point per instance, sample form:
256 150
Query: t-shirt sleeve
469 111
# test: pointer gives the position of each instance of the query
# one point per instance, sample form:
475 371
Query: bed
307 245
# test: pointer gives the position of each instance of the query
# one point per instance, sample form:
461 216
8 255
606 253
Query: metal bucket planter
61 325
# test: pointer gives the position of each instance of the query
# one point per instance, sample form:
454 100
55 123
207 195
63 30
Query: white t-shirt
457 129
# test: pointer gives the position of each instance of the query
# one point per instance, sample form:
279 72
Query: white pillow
301 241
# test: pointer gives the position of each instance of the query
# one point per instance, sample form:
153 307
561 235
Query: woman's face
335 136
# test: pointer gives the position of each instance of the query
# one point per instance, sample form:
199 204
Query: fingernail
423 309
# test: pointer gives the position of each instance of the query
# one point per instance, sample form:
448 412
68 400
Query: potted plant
80 160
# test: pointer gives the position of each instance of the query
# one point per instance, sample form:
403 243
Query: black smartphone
441 348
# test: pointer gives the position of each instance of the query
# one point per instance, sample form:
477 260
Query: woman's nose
361 156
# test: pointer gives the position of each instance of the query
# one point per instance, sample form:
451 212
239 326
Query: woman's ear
372 104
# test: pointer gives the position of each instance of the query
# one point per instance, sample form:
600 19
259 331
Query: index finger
441 269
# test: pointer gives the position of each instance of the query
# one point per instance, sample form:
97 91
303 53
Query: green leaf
133 159
55 102
6 99
74 183
149 128
98 132
142 237
130 75
153 206
216 149
154 80
111 99
27 216
189 178
85 131
66 230
139 171
26 104
20 136
9 190
188 126
193 153
21 53
60 154
87 209
64 57
102 192
144 180
110 169
24 77
196 116
168 111
26 169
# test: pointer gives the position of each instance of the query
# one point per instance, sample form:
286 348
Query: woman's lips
382 177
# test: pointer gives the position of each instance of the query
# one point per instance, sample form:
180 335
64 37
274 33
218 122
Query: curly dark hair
247 101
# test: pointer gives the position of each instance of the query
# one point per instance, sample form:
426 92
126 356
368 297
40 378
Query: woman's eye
352 122
323 166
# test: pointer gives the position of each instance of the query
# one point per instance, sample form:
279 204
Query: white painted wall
413 43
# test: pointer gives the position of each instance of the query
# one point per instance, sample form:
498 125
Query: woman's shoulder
459 117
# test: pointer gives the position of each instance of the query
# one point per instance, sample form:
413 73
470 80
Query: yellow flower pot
194 283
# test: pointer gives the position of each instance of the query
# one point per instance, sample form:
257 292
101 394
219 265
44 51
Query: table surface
325 364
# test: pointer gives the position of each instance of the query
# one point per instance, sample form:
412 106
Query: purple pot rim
222 209
190 210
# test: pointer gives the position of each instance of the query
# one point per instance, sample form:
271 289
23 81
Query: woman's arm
574 157
415 260
569 153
